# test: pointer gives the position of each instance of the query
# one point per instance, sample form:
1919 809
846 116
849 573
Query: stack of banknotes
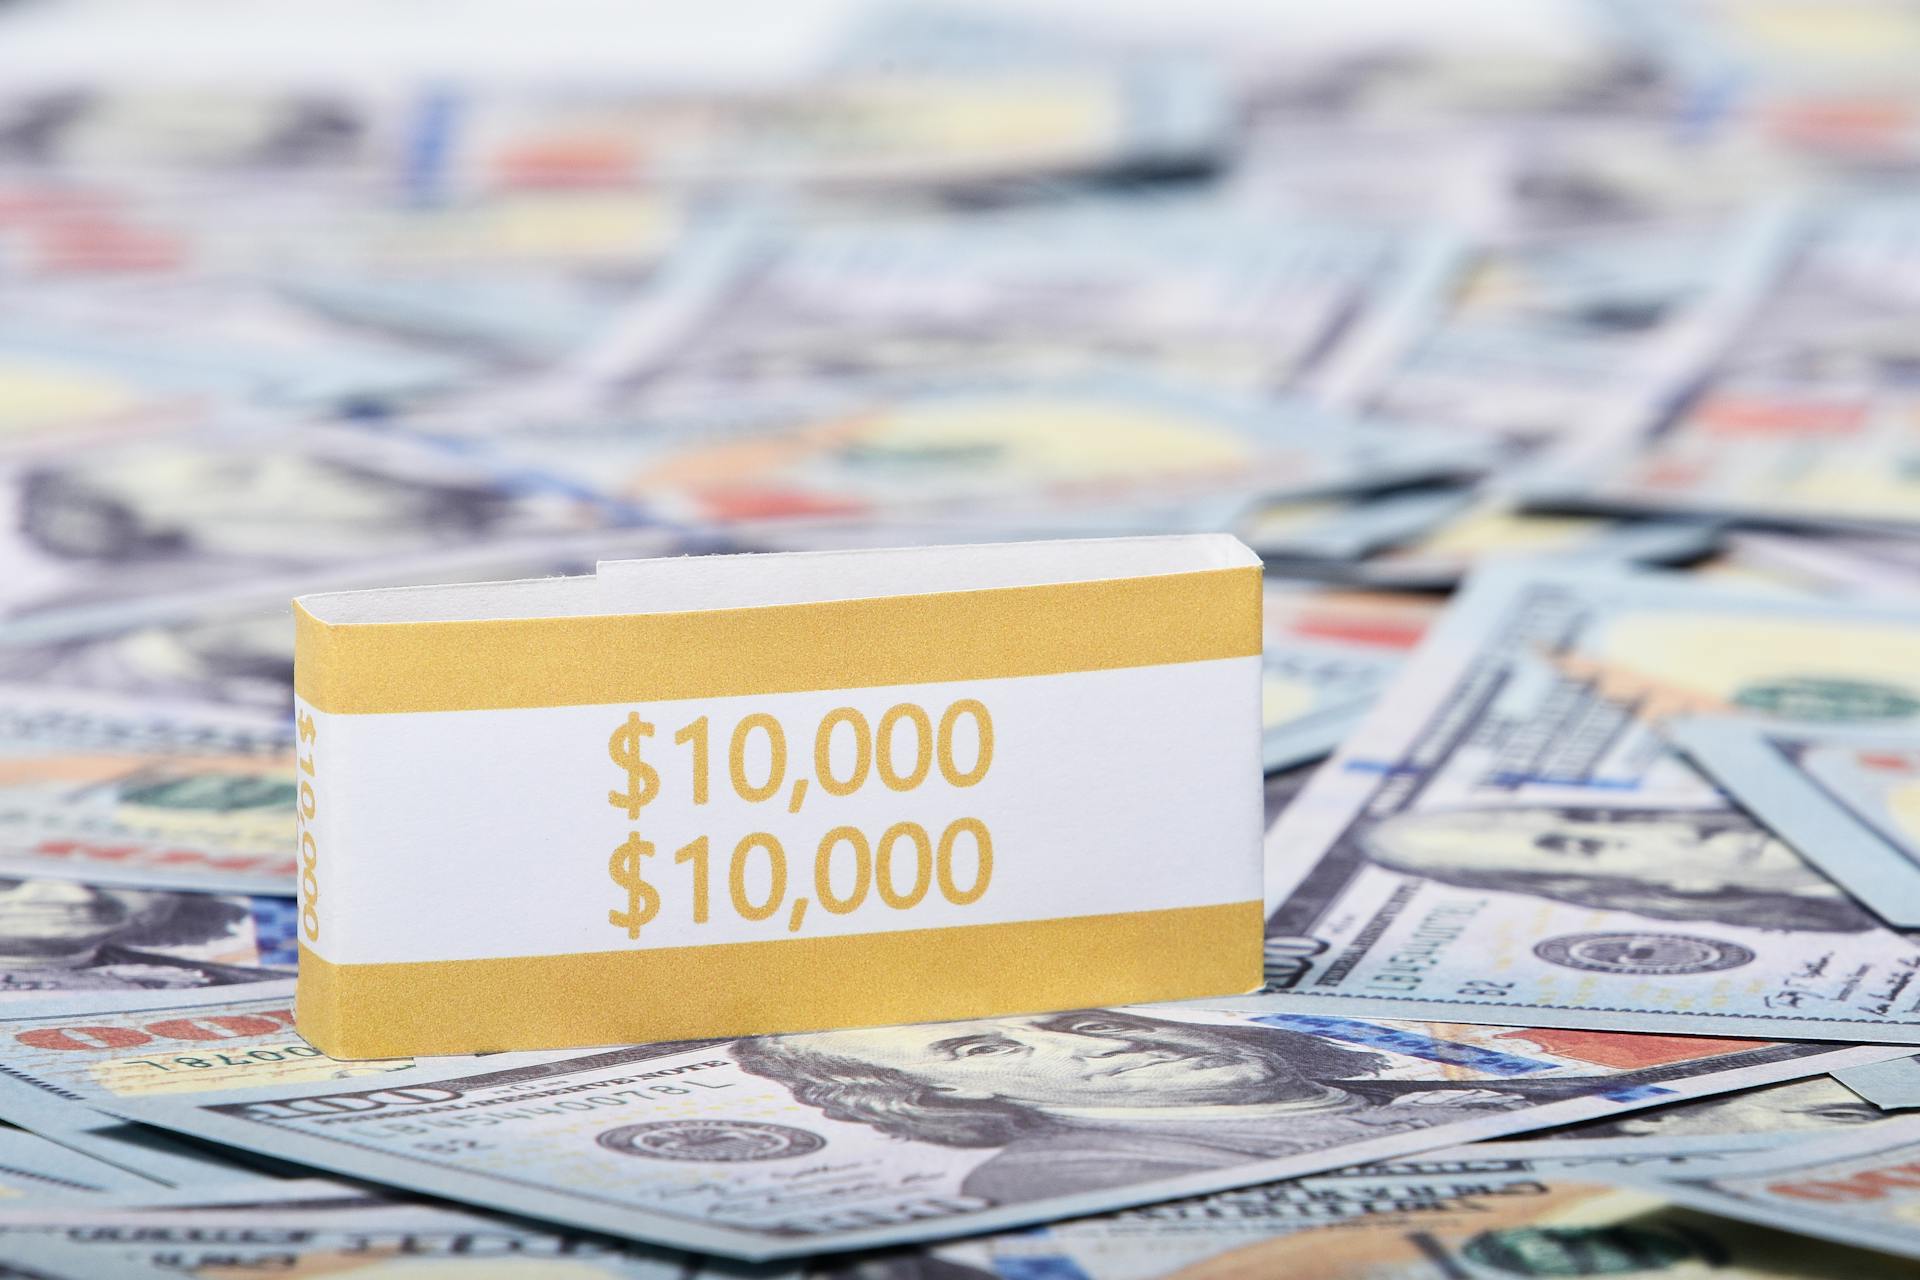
1568 386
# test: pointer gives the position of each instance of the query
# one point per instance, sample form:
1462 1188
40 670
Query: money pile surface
1558 361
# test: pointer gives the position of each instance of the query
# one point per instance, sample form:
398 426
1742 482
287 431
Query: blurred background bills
1560 358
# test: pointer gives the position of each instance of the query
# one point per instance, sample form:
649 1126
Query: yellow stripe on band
790 984
843 644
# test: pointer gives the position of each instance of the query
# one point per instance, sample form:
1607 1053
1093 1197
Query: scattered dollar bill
36 1170
172 525
214 822
1312 611
867 124
312 1227
1768 1116
1282 788
1840 566
778 1146
77 935
1859 1189
36 720
1326 657
1803 420
1494 1209
226 657
1891 1085
36 1256
1437 557
1846 799
1340 529
878 127
147 792
1311 696
1814 71
1508 837
1547 336
1587 1148
1184 290
153 338
70 1057
1011 449
241 662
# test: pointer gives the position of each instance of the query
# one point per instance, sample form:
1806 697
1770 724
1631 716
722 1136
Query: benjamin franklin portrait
1094 1098
168 502
1819 1104
56 935
1704 865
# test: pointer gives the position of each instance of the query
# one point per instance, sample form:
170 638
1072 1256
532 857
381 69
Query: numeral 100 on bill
901 869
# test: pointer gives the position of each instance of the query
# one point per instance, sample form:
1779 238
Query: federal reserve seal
719 1141
1648 953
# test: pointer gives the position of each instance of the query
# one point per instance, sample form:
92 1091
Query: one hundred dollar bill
975 445
149 792
1891 1085
119 360
1493 529
36 719
68 1058
1494 1209
1846 799
1311 696
184 523
189 671
1321 668
82 935
215 823
777 1146
1865 567
1803 418
1534 343
313 1227
1763 1117
38 1256
1508 838
1859 1189
37 1171
1311 531
1178 288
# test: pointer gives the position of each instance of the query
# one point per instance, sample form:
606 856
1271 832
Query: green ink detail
1828 699
1577 1251
214 793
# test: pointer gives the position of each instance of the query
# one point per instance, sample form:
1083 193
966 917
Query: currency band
503 663
919 975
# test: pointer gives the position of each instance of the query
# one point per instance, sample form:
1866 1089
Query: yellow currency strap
367 668
916 975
